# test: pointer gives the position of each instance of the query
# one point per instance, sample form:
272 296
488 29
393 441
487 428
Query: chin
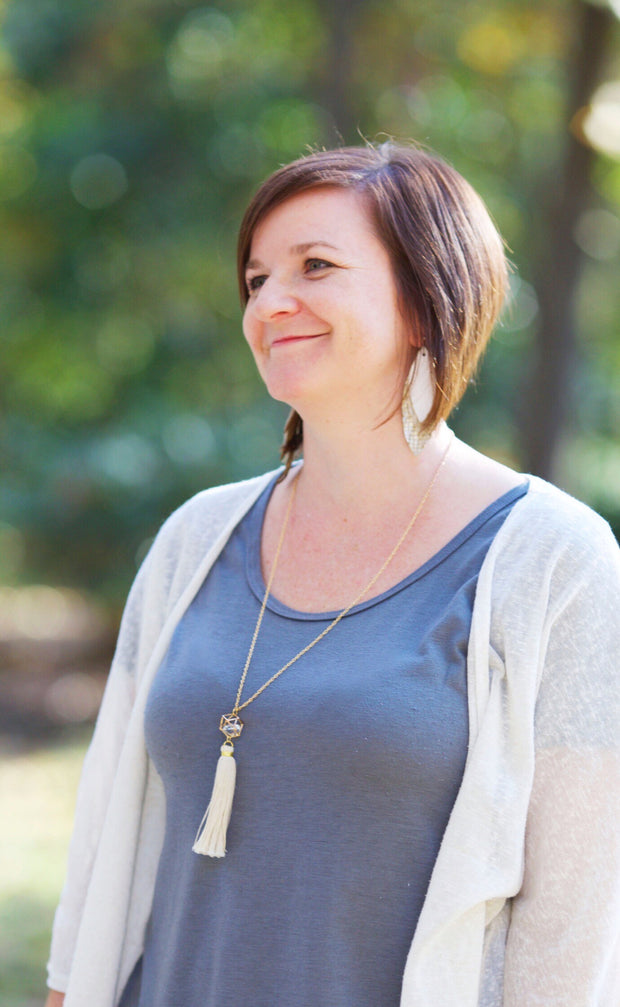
291 385
294 396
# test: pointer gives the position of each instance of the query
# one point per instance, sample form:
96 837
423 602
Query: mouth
285 340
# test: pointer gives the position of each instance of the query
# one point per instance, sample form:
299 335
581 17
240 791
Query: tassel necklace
211 836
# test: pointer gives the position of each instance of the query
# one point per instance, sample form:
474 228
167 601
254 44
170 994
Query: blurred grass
37 796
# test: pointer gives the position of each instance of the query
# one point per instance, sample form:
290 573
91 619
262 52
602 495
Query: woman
418 643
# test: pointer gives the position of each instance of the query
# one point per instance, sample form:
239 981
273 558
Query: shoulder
183 550
192 536
552 542
209 511
543 518
550 583
549 516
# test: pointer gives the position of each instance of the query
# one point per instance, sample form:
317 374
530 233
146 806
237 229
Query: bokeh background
131 137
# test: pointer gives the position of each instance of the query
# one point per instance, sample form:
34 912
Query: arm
98 775
116 842
563 945
55 999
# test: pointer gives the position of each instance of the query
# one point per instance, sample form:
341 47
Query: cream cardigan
523 907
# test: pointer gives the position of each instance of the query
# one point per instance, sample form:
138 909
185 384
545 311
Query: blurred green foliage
131 136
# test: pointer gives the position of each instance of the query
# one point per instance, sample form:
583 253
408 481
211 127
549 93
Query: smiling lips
283 340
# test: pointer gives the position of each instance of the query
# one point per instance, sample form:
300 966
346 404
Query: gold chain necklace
211 836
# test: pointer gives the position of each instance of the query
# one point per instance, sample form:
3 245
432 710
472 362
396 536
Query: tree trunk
551 393
336 86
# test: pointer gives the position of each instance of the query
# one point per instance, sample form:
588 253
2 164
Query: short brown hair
447 256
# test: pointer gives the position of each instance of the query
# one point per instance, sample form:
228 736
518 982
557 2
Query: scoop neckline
256 581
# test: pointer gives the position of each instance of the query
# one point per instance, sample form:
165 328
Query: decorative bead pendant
231 726
211 836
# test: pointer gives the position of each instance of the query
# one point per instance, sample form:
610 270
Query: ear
413 335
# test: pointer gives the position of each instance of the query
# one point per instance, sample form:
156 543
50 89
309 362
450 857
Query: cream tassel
211 836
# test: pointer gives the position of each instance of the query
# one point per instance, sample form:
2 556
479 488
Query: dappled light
601 122
128 146
597 233
98 180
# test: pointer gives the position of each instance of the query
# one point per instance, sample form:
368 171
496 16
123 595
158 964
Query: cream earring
418 401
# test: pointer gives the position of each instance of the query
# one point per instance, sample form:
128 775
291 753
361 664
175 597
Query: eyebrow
296 250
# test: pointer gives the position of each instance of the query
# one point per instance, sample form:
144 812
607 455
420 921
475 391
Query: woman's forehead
330 216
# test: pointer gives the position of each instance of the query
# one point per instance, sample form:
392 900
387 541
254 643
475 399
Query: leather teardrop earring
417 401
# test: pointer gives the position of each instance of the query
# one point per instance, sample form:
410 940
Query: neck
363 472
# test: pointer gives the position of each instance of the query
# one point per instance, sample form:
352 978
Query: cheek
251 330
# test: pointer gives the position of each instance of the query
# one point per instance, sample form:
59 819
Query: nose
273 299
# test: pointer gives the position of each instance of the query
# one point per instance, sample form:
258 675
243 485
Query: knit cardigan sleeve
523 907
563 945
120 811
144 612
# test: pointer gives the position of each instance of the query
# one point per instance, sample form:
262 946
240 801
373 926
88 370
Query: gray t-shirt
347 771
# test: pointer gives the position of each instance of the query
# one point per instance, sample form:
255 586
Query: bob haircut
447 256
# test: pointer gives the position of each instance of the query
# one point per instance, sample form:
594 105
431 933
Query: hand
55 999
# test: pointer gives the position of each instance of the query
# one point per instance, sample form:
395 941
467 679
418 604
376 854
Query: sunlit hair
447 256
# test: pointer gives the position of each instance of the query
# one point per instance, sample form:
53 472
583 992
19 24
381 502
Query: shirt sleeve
563 945
136 639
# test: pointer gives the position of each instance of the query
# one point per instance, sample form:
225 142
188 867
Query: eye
316 265
254 283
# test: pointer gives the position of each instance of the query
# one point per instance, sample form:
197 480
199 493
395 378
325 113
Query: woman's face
322 318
